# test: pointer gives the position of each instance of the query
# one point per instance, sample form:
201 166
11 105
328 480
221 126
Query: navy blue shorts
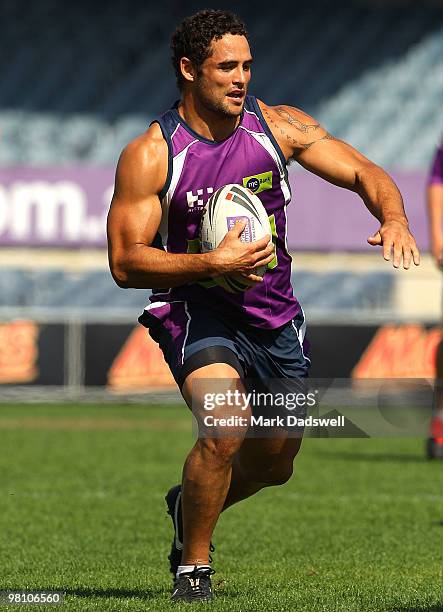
191 337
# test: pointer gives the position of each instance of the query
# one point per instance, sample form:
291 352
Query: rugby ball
227 206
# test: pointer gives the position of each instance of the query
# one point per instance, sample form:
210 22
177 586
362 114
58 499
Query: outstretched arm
435 207
435 210
134 219
304 140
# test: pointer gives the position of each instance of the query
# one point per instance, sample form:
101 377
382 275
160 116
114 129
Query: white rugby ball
227 206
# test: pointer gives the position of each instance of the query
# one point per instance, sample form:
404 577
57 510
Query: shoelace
195 578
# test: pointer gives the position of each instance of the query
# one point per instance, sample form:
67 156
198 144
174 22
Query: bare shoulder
144 161
294 130
287 113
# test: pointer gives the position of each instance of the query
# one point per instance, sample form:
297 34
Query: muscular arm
303 139
134 219
435 211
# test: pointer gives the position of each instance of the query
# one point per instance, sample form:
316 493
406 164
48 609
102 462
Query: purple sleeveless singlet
197 167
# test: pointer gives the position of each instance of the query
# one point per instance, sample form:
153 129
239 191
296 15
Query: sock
189 568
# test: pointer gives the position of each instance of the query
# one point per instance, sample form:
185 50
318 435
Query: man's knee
272 474
279 474
217 452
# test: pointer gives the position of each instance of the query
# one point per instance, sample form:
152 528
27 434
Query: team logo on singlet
258 182
199 199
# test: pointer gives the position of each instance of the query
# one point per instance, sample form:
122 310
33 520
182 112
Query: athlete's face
222 82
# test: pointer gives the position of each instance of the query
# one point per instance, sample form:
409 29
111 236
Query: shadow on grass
392 457
123 593
137 593
436 608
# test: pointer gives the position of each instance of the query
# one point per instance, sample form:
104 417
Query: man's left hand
397 242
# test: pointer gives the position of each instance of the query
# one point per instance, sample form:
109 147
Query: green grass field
358 528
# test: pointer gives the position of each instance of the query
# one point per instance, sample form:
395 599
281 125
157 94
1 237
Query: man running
435 212
217 134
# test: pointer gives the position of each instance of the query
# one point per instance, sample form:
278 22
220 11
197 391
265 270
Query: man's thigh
216 428
192 338
280 353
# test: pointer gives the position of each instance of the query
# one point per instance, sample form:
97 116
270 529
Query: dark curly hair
193 37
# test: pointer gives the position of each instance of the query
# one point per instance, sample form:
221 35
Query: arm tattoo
327 136
299 125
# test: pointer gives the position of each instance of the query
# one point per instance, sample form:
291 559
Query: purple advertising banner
63 207
67 207
324 217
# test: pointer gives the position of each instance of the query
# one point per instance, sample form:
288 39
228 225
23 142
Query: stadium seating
343 290
103 74
56 289
412 84
13 287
